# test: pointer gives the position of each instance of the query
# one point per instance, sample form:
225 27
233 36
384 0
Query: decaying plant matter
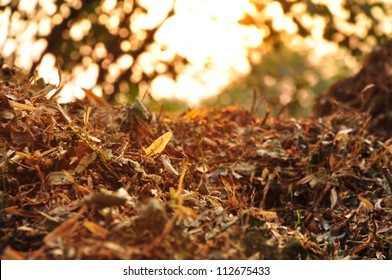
369 90
86 181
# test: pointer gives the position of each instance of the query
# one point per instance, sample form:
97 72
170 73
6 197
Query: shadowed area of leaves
369 90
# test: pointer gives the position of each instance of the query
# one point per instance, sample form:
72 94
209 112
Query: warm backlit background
193 50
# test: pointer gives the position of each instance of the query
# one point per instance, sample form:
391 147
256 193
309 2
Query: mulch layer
93 181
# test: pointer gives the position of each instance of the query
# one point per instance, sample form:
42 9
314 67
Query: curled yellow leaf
159 144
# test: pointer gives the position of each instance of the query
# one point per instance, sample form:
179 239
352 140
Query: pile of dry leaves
369 90
87 181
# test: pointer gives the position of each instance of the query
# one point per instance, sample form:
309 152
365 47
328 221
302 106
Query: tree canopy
118 39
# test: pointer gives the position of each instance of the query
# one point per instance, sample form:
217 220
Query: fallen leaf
63 177
365 203
96 229
159 144
85 162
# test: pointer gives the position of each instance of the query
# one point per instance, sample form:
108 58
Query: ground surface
92 181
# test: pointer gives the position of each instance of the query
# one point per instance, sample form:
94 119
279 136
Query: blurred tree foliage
357 25
285 78
106 34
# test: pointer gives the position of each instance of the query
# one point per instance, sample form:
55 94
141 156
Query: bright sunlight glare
206 33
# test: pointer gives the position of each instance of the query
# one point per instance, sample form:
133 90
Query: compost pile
369 90
88 180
